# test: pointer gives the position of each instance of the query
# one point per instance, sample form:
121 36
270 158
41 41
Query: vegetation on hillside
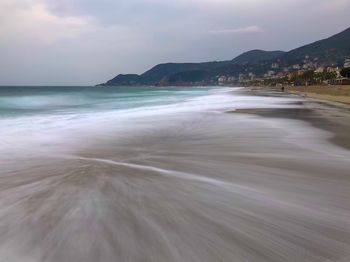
330 52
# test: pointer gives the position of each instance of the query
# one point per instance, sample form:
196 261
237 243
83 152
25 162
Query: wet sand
257 185
330 115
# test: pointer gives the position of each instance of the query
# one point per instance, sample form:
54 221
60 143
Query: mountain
181 73
163 71
332 50
328 52
124 80
257 56
170 72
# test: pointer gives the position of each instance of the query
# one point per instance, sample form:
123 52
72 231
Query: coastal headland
323 62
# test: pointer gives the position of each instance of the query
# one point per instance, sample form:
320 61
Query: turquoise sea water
34 118
31 101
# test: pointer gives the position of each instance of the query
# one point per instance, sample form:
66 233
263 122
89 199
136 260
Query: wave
41 132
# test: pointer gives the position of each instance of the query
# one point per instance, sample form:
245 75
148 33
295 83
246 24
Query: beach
331 93
231 175
326 113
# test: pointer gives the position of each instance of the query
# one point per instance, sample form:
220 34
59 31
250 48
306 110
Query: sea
105 174
39 117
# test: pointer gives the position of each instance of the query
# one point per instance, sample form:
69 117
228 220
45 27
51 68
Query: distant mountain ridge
328 52
256 56
162 72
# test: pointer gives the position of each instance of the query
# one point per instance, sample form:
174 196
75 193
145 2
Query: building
347 62
296 67
334 70
270 73
309 65
251 76
319 70
222 80
275 66
231 79
282 75
241 77
300 72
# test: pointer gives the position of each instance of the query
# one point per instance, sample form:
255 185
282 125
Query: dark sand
213 187
332 116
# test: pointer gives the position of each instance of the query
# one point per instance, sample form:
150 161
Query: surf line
173 173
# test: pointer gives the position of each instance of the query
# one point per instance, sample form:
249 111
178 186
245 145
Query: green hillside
328 52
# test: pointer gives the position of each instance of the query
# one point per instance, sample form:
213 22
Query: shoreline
330 93
334 93
329 115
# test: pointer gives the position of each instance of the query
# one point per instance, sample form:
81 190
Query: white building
319 70
270 73
275 66
222 79
347 62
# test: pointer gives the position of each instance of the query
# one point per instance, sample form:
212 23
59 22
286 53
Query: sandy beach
327 114
330 93
265 183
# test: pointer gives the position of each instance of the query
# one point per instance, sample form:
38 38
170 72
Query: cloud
38 46
89 41
36 23
242 30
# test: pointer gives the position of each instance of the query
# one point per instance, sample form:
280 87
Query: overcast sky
83 42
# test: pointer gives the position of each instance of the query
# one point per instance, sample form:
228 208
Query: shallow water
171 179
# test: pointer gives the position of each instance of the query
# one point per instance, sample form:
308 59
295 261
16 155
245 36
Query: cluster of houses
310 72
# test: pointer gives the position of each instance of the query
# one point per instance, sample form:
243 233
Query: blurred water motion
194 185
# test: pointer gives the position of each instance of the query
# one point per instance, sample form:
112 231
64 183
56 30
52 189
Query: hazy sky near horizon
83 42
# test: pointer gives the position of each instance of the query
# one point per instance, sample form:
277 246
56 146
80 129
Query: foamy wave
48 131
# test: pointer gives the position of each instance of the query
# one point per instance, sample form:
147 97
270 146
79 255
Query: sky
86 42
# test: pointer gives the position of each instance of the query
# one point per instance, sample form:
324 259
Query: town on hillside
324 62
310 72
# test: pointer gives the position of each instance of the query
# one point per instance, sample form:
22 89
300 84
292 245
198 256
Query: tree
345 72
